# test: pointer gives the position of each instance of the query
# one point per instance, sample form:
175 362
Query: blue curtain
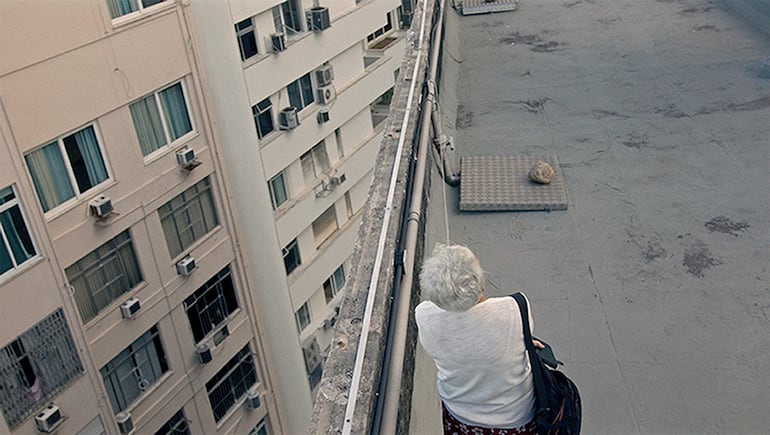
49 175
175 111
147 124
17 235
121 7
92 156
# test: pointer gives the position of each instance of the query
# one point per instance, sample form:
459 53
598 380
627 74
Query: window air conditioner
323 116
252 400
324 75
185 266
278 42
318 18
100 207
186 158
48 419
125 424
129 308
326 94
288 119
203 353
338 179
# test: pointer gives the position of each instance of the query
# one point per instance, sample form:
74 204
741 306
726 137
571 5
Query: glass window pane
85 158
49 175
307 89
175 111
148 125
278 190
16 234
121 7
295 99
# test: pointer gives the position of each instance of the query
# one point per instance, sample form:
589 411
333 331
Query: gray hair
452 278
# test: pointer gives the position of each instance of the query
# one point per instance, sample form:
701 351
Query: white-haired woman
477 343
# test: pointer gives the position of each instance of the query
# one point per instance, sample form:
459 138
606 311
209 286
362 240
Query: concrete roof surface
653 287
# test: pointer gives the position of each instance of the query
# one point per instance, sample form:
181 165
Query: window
314 162
382 30
37 366
301 92
260 429
288 18
231 382
16 246
176 425
334 284
348 205
211 304
247 38
67 167
263 117
291 258
312 354
325 225
103 275
303 317
154 130
278 193
118 8
134 369
188 217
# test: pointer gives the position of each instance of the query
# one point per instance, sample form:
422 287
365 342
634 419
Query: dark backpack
558 409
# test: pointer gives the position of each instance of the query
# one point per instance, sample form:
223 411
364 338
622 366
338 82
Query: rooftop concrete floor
653 287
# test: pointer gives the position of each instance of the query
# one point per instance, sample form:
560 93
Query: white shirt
484 376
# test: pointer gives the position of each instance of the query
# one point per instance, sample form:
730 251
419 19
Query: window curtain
121 7
175 111
49 176
92 155
307 89
16 235
295 99
147 124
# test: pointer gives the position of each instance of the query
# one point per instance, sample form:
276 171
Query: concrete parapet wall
334 389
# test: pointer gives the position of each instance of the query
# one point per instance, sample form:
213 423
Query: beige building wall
319 212
67 66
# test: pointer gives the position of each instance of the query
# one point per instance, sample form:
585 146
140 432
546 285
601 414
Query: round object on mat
542 173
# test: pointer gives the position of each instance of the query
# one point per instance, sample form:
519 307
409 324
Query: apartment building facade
300 90
125 302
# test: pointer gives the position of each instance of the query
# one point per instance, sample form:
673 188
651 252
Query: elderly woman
477 344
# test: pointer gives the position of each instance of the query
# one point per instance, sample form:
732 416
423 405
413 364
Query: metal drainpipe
396 355
443 147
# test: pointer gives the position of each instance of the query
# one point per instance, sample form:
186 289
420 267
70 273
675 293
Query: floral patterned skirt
454 427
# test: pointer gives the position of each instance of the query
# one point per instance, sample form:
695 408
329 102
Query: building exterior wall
66 66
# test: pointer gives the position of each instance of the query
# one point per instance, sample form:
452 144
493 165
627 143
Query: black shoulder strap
537 374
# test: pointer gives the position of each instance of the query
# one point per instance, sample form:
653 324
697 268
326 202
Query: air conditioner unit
338 179
48 419
100 207
125 424
326 94
129 308
331 321
186 158
318 18
203 353
252 400
323 116
324 75
287 118
278 42
185 266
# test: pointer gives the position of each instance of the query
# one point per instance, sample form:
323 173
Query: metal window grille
37 366
211 304
178 424
231 382
188 216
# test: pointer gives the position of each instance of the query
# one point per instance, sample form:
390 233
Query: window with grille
278 192
161 118
37 366
211 304
176 425
334 284
313 362
302 316
188 217
325 225
16 245
247 38
263 117
301 92
134 369
67 167
261 428
231 383
103 275
291 258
